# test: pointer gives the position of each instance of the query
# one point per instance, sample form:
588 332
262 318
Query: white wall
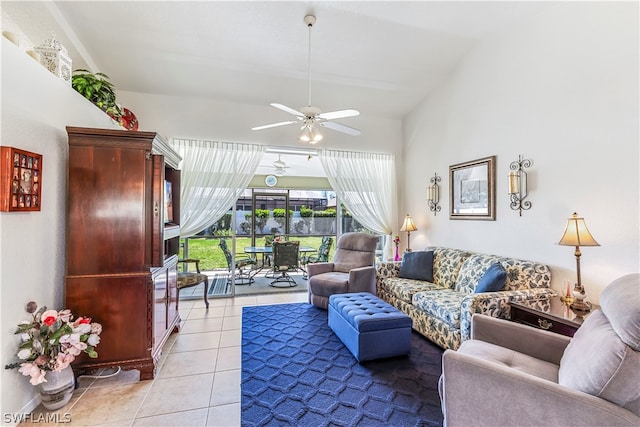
36 107
562 90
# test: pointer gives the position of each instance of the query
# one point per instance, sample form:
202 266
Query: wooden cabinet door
172 290
117 303
156 212
160 320
109 192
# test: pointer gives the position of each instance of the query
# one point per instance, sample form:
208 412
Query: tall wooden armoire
123 238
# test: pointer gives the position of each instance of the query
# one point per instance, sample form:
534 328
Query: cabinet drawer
540 321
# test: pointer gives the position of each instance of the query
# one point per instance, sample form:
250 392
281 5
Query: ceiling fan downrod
310 20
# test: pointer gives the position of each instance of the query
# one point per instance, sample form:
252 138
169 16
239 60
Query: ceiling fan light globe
306 135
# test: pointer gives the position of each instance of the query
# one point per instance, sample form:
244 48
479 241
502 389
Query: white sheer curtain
214 174
366 184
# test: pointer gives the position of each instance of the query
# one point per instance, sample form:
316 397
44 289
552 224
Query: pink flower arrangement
396 240
52 340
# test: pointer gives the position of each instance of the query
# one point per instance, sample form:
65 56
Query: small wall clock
271 180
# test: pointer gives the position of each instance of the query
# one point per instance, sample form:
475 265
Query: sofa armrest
496 304
543 345
319 268
362 279
512 397
388 269
385 270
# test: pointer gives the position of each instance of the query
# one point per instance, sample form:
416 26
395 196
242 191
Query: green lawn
206 249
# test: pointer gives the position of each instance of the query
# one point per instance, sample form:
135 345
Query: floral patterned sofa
442 310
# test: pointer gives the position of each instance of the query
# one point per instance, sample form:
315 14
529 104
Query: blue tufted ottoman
369 327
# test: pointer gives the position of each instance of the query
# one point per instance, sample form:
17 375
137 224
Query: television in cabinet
122 252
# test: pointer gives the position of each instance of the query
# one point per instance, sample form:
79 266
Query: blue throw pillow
493 279
417 266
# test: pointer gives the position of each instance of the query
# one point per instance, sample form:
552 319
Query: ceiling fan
310 116
279 167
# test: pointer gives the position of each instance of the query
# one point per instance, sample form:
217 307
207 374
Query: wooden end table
559 319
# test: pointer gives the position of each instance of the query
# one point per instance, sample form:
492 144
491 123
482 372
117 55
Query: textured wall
560 89
36 107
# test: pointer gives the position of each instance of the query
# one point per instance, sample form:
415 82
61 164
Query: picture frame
472 188
20 180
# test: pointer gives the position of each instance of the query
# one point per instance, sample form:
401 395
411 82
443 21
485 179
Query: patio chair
321 256
187 279
285 259
268 258
242 277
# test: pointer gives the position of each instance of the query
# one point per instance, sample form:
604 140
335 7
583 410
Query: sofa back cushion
620 302
446 265
355 250
597 362
520 274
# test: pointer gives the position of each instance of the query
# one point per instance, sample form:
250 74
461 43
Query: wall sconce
518 184
433 194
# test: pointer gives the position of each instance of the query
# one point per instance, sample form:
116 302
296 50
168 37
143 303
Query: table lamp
408 226
576 234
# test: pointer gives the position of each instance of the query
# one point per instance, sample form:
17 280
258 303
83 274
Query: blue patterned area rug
297 372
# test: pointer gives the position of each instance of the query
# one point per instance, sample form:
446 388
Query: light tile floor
198 380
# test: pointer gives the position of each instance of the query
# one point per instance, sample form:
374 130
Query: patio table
265 250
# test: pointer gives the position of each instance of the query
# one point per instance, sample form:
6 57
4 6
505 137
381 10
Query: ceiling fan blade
273 125
287 109
339 114
340 128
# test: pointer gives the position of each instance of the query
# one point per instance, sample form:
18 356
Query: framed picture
472 191
20 180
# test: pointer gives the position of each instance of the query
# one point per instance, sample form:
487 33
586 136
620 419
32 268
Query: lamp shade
576 233
408 224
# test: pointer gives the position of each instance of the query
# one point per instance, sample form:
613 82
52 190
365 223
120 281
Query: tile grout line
155 377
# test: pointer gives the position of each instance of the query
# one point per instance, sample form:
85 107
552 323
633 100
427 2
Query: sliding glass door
271 214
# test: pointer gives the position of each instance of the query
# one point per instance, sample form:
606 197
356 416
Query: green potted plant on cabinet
98 89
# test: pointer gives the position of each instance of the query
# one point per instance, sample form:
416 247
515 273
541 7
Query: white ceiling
379 57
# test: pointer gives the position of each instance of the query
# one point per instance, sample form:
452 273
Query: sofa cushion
511 359
493 279
597 362
520 274
443 304
327 284
405 289
472 271
417 266
620 302
446 265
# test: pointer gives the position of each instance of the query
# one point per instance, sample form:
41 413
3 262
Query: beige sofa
441 310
